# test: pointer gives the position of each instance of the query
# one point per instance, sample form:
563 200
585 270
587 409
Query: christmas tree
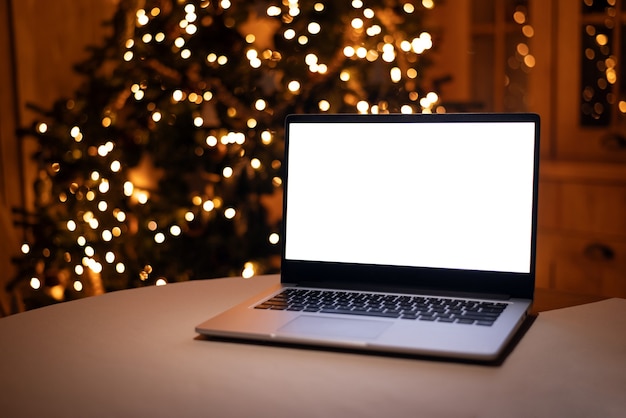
166 164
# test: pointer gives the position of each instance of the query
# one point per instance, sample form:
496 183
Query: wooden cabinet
566 60
582 213
582 228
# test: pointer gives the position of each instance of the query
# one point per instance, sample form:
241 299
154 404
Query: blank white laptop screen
444 195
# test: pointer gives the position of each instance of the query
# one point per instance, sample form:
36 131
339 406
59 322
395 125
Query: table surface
135 353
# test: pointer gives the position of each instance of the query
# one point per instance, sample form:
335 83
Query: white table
134 353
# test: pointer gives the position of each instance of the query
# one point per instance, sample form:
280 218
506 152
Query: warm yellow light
602 39
211 140
310 59
95 266
314 28
159 238
266 137
289 34
260 104
522 49
324 105
175 230
128 188
293 86
109 257
230 213
248 270
104 186
35 283
422 43
373 30
142 18
528 31
160 282
389 53
273 11
274 238
208 206
78 286
227 172
142 197
395 74
120 216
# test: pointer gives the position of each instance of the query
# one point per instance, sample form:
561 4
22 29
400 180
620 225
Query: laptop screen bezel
401 278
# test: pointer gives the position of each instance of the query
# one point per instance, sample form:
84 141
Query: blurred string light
113 194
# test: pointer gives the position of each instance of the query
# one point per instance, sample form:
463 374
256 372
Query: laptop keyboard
421 308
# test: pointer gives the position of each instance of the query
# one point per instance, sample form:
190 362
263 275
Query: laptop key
369 313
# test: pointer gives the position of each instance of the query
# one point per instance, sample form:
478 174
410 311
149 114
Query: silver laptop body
428 209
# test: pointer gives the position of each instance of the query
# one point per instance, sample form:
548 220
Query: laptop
412 234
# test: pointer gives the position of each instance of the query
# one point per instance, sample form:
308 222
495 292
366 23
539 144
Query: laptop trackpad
335 327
